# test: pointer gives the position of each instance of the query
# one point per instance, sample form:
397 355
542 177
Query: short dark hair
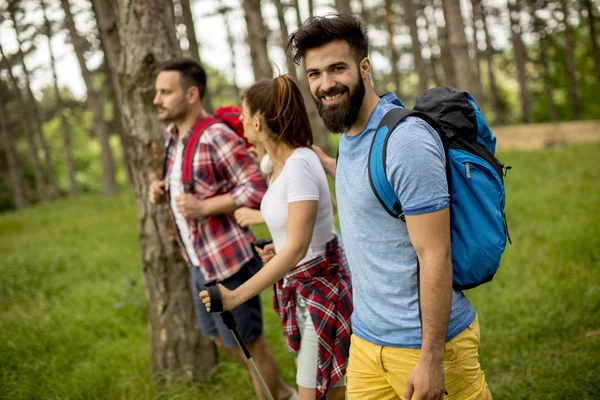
320 30
279 101
190 71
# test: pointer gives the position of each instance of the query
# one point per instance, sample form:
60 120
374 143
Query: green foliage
72 303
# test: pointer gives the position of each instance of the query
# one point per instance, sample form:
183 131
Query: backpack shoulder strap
189 151
377 155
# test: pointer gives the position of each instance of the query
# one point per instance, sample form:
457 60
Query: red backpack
230 116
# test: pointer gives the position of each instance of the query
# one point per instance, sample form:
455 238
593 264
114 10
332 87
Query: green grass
72 303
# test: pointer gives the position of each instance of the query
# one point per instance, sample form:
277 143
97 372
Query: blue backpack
475 180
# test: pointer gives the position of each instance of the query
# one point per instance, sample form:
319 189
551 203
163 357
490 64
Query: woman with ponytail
305 263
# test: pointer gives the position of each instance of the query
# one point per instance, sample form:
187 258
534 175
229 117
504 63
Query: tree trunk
545 63
475 19
445 53
111 47
489 55
572 72
94 104
32 110
299 19
190 32
311 8
40 183
147 30
343 7
291 67
66 134
587 4
224 11
14 170
431 40
410 15
393 54
459 49
520 60
257 39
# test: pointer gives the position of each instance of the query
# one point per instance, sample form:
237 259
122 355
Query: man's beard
341 116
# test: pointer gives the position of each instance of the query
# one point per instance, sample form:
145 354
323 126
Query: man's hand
245 216
189 206
427 381
156 192
229 298
266 253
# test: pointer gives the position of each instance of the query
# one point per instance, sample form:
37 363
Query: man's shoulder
217 132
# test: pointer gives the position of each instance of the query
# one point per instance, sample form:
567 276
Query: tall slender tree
40 183
60 107
587 5
432 40
571 68
257 39
14 169
391 46
33 111
520 59
343 7
410 16
283 30
224 12
111 47
489 55
147 31
459 50
445 49
94 104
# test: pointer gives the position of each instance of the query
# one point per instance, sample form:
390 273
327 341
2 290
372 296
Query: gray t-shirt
383 262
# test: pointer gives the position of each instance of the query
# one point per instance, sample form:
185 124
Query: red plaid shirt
221 165
324 283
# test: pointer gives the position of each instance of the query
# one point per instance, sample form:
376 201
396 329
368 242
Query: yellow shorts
381 372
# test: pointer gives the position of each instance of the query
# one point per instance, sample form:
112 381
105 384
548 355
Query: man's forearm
435 296
222 204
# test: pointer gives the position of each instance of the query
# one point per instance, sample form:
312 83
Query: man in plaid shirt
214 245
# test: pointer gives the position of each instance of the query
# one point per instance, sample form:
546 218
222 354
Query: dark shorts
248 316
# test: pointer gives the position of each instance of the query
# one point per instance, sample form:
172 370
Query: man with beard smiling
413 334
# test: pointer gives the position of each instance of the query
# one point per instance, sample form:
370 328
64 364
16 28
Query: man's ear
193 94
365 67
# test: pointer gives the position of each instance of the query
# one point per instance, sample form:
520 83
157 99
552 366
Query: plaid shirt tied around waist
221 164
324 283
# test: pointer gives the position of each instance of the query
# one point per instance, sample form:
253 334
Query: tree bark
520 60
343 7
190 32
459 49
489 55
94 104
14 169
224 11
32 110
291 66
475 20
66 133
587 4
445 53
147 30
572 70
311 8
257 39
393 54
40 183
111 47
432 38
410 15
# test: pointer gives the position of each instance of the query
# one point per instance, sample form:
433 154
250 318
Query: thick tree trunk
190 32
489 55
147 30
475 19
111 47
459 49
410 15
392 53
14 170
94 104
572 70
32 109
587 4
257 39
66 134
520 60
283 30
343 7
311 8
40 183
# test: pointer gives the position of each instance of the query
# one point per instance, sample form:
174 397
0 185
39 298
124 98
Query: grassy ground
73 326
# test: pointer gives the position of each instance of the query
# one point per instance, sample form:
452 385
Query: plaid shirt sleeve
233 161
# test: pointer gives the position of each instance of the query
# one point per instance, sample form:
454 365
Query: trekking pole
216 305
